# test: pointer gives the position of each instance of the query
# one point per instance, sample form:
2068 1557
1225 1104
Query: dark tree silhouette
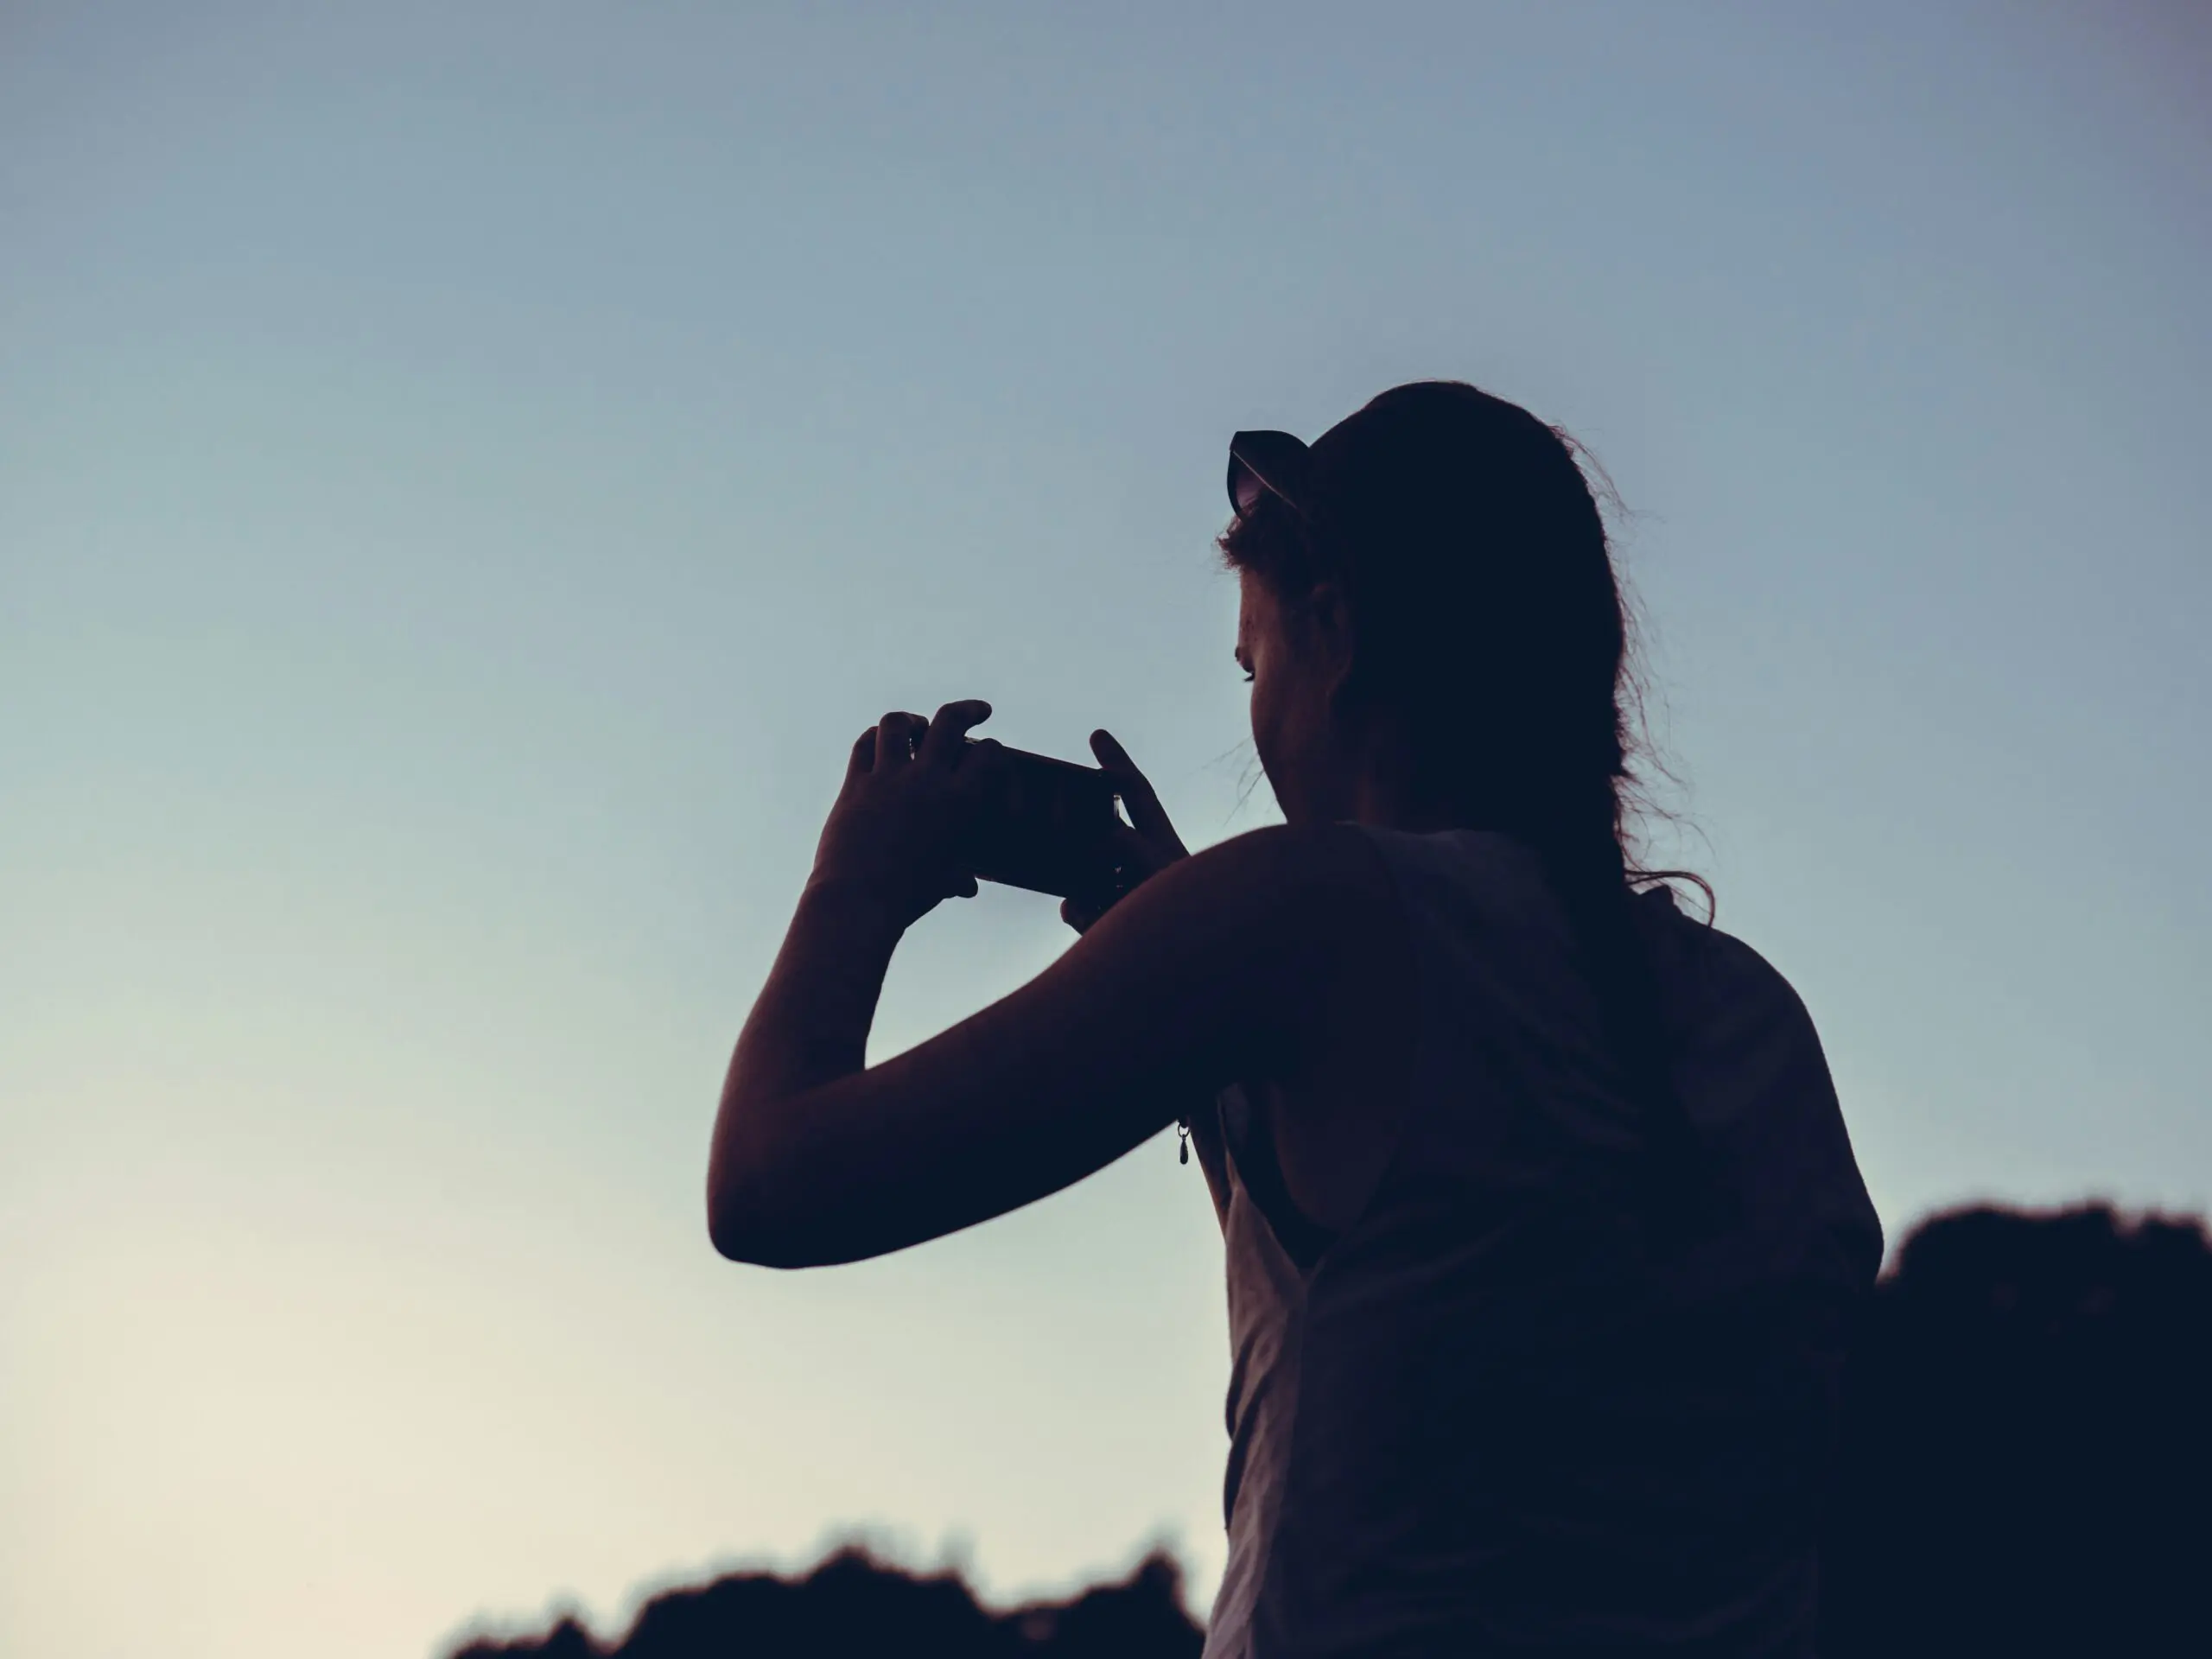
855 1605
2026 1465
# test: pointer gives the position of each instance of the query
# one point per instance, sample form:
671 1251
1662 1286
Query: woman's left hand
1148 843
911 790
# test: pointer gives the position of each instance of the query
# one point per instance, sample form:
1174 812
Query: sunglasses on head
1262 464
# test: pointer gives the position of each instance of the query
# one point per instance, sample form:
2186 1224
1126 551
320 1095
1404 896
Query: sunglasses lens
1244 488
1277 467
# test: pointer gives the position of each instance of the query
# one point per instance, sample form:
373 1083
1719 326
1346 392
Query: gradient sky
467 472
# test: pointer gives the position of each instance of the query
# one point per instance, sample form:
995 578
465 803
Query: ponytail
1590 879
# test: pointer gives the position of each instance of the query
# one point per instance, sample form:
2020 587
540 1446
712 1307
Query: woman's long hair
1489 622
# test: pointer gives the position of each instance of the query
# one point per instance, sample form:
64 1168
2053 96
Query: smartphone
1048 828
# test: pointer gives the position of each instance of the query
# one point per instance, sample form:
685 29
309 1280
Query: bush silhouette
855 1605
2026 1462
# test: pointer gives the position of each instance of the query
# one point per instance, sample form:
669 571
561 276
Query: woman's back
1488 1416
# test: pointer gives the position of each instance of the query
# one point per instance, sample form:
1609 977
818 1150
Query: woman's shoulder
1276 895
1284 862
1724 963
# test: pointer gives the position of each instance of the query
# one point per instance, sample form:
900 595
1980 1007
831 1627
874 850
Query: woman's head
1432 619
1436 638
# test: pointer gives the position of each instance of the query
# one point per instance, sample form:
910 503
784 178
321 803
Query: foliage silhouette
855 1605
2026 1461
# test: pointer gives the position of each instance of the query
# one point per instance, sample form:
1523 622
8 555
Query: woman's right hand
1147 844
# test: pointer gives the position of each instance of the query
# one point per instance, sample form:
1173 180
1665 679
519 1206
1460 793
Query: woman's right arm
1223 967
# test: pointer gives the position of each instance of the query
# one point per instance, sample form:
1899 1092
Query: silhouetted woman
1542 1227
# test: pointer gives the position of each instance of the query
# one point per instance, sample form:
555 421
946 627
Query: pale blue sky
466 473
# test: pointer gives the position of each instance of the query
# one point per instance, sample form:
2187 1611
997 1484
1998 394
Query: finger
894 741
942 745
863 756
1078 915
1149 818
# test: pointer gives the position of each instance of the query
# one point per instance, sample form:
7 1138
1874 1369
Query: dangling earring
1183 1146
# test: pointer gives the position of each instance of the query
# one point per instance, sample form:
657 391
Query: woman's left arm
1220 967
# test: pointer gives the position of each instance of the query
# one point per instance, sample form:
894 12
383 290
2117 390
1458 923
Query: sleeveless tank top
1489 1417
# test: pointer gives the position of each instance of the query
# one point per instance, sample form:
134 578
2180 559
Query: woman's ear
1334 638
